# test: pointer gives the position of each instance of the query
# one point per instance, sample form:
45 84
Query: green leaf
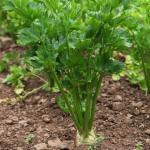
116 77
61 103
19 91
3 66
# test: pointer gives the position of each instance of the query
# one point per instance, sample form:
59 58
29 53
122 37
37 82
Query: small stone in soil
118 98
15 118
103 95
112 90
136 112
37 97
111 119
57 143
129 115
42 101
70 125
147 117
32 129
46 118
118 106
147 131
148 141
138 104
9 122
46 135
40 146
32 101
23 123
142 126
8 134
128 120
143 111
53 100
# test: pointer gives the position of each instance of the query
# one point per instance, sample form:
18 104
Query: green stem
146 75
76 100
87 112
93 108
88 101
32 92
73 116
42 79
145 71
79 102
77 107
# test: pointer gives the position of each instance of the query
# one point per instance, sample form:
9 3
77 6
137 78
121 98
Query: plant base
92 139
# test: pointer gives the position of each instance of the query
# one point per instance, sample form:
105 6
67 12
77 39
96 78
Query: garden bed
123 118
72 50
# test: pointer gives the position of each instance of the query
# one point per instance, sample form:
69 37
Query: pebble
15 118
46 135
147 117
32 129
112 90
142 126
143 111
69 145
128 120
31 101
103 95
40 146
23 123
138 104
129 115
70 124
114 141
118 85
148 141
37 97
147 131
9 122
57 143
9 134
53 100
136 112
118 106
46 118
118 98
42 101
111 119
39 130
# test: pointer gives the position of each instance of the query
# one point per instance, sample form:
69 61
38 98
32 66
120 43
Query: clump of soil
122 117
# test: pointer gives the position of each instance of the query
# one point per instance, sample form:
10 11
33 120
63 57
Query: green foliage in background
141 37
15 78
138 60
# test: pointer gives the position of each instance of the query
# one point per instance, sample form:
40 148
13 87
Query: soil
122 117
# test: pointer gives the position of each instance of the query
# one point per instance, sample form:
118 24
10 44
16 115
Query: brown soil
120 118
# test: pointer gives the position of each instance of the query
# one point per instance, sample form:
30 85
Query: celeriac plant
77 40
141 34
143 44
78 54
